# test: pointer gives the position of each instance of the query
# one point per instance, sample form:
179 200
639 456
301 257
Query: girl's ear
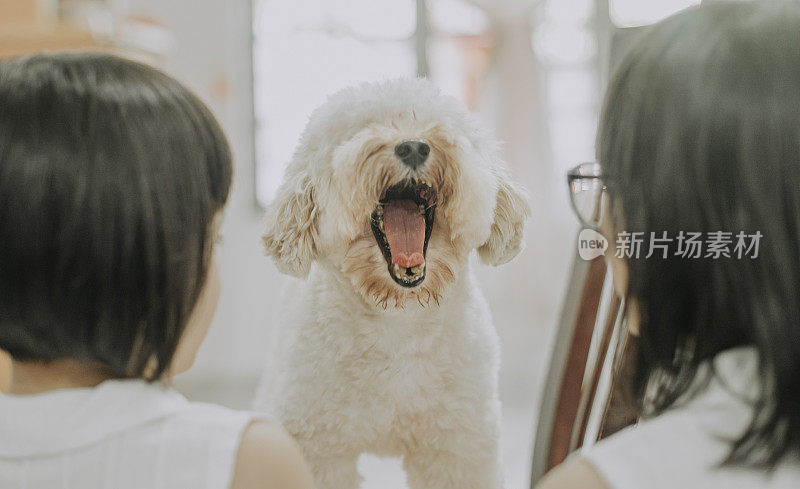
505 239
291 231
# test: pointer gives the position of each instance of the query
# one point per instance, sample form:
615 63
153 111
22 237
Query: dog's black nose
413 152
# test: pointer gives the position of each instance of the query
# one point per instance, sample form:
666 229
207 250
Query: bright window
633 13
567 47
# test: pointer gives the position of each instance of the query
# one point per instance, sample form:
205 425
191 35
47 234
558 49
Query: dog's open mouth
402 224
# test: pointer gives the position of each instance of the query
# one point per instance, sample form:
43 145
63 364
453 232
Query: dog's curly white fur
364 364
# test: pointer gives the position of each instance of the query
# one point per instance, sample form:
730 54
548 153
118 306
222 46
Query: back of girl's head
110 176
700 132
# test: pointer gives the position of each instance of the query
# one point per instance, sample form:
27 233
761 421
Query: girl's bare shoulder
574 474
268 458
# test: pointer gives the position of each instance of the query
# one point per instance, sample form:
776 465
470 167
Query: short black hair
700 131
111 174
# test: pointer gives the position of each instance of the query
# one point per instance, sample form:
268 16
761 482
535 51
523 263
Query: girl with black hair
700 133
113 179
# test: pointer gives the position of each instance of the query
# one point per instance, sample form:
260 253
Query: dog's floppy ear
291 226
510 211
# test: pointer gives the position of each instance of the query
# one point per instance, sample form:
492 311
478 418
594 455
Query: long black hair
700 132
111 173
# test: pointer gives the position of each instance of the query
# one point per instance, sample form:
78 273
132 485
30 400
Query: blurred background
533 70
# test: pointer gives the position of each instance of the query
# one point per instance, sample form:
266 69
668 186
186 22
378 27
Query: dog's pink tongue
404 227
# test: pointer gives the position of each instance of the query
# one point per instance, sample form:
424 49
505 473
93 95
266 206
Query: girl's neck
38 377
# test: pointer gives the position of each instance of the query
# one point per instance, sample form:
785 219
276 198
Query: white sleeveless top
122 434
683 447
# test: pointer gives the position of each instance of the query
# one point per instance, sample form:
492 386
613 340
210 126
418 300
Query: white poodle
388 347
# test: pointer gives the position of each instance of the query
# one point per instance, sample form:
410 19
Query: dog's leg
443 469
456 450
331 455
334 472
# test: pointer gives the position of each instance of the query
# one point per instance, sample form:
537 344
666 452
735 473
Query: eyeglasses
587 193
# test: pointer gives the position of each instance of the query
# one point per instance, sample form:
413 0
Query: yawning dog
387 345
